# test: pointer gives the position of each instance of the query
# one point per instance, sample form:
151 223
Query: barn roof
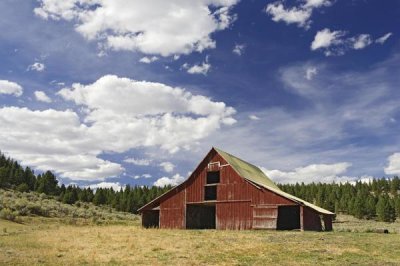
254 175
247 170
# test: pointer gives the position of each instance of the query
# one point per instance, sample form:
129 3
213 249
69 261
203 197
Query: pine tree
397 205
384 210
394 185
47 183
100 197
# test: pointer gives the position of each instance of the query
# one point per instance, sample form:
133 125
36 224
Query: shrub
8 214
22 187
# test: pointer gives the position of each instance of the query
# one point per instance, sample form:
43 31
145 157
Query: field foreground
46 241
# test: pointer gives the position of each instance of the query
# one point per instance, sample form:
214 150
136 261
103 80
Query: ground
49 241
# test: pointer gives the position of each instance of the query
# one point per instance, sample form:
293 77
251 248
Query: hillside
21 206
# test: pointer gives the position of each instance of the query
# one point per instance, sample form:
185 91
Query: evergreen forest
378 199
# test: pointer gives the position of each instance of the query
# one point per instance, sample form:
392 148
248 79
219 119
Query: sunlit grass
49 242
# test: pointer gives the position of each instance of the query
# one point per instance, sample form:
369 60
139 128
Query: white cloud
325 173
39 67
54 140
120 114
334 43
365 179
173 181
311 72
393 167
116 186
141 162
198 69
167 166
254 117
142 176
9 87
296 15
238 49
362 41
384 38
293 15
151 27
316 3
148 60
42 97
326 38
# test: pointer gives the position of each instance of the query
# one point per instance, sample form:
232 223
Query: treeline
378 199
129 199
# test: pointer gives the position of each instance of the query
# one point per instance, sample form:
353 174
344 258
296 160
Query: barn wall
311 220
234 215
239 204
195 186
172 211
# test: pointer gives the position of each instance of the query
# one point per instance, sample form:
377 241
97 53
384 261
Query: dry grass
348 223
46 241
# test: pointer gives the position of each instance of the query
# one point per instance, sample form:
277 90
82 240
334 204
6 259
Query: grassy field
46 241
44 231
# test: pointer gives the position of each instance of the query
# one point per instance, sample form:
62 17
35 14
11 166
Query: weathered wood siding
172 210
239 204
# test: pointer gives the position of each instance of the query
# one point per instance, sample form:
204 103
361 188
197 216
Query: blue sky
106 93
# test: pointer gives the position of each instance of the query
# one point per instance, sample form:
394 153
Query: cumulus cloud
116 186
151 27
173 181
39 67
167 166
198 69
325 173
384 38
299 15
54 140
42 97
140 162
120 114
148 60
335 43
326 38
316 3
9 87
393 167
361 41
238 49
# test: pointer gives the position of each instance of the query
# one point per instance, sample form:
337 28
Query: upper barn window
212 177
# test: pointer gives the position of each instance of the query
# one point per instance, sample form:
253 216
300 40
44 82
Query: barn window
213 177
210 193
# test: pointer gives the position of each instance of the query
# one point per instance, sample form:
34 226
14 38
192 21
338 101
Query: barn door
265 216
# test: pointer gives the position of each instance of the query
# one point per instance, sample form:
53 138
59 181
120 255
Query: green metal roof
247 170
254 174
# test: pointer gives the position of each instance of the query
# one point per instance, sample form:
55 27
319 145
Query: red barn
225 192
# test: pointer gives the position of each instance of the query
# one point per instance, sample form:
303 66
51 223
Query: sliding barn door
265 216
